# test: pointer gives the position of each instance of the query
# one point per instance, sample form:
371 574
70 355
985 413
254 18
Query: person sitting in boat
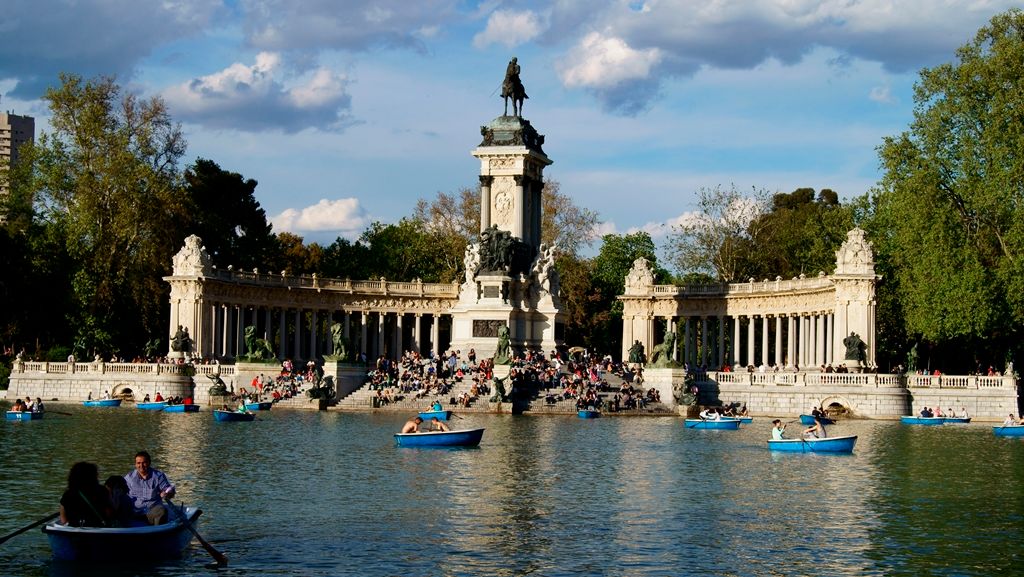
1009 421
777 429
817 430
38 406
84 502
106 395
159 398
241 406
710 415
27 404
926 412
89 397
963 413
436 406
436 425
412 425
146 398
19 406
149 487
938 411
744 412
123 509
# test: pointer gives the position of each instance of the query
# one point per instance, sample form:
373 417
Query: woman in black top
85 502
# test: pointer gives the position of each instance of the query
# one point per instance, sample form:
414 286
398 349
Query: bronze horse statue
513 88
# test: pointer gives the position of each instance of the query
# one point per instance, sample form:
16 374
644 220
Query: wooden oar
27 527
219 557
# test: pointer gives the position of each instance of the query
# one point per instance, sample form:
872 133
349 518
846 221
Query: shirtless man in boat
436 425
149 487
412 425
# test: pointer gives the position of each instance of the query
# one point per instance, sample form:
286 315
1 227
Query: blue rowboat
911 420
181 409
588 413
827 445
1009 431
441 415
464 438
221 415
23 416
955 420
260 406
809 420
725 424
153 406
746 420
102 544
103 403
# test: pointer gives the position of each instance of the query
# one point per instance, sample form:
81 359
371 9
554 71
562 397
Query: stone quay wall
873 396
74 382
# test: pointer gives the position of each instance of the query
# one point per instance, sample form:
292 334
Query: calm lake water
306 493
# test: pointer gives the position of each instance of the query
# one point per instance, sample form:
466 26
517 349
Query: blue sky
348 111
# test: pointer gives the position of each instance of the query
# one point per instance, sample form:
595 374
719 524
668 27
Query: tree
948 216
106 181
404 251
717 237
224 212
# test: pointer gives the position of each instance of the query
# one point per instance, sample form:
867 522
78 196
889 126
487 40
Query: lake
317 493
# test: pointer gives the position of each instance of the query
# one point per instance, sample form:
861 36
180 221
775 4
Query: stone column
266 325
734 352
719 356
347 321
399 337
381 319
831 338
225 328
485 201
764 340
778 340
214 317
239 321
791 359
751 329
313 326
687 350
282 333
703 342
362 335
297 352
819 342
417 327
517 207
435 334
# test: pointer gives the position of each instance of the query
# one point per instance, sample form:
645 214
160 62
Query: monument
510 278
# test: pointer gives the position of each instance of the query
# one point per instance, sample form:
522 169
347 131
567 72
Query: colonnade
305 333
782 340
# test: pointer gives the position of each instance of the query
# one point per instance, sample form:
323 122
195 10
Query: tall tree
224 212
107 180
949 210
716 239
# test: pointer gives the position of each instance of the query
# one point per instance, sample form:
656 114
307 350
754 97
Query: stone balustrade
103 368
871 380
378 287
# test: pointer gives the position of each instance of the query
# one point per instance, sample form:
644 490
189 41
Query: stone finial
192 259
856 256
640 278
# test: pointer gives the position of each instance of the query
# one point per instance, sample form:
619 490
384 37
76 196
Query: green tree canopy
106 182
948 218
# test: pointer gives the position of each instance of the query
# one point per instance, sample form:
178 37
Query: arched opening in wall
838 407
122 391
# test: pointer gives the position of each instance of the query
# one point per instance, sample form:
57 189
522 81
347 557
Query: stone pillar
313 326
751 329
282 333
791 342
212 344
764 340
704 342
225 330
734 352
485 202
347 321
687 351
517 208
819 341
435 334
778 340
239 321
417 327
267 333
831 338
297 351
399 337
380 332
362 335
719 353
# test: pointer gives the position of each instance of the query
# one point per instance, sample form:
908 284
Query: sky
348 111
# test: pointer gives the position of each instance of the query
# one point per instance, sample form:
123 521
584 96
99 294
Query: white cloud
509 28
882 94
343 216
256 97
599 61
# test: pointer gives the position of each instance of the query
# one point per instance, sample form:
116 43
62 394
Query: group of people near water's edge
122 501
434 425
817 430
1011 421
937 412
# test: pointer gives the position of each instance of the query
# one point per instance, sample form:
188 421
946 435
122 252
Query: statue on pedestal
636 354
513 88
501 353
181 343
855 348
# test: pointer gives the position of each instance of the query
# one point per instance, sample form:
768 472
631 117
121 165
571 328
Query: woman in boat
778 428
85 502
38 406
816 430
122 505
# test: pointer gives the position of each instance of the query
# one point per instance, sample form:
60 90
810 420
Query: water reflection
306 493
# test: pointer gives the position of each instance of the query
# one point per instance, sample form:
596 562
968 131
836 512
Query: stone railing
722 289
874 380
103 368
380 287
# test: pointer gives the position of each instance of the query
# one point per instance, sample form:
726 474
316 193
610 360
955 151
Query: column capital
486 180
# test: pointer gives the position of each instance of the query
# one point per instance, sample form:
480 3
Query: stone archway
837 405
122 390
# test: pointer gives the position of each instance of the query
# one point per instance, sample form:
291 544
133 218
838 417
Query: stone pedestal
347 377
665 381
246 371
854 366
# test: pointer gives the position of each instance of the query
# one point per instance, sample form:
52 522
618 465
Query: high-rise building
15 130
